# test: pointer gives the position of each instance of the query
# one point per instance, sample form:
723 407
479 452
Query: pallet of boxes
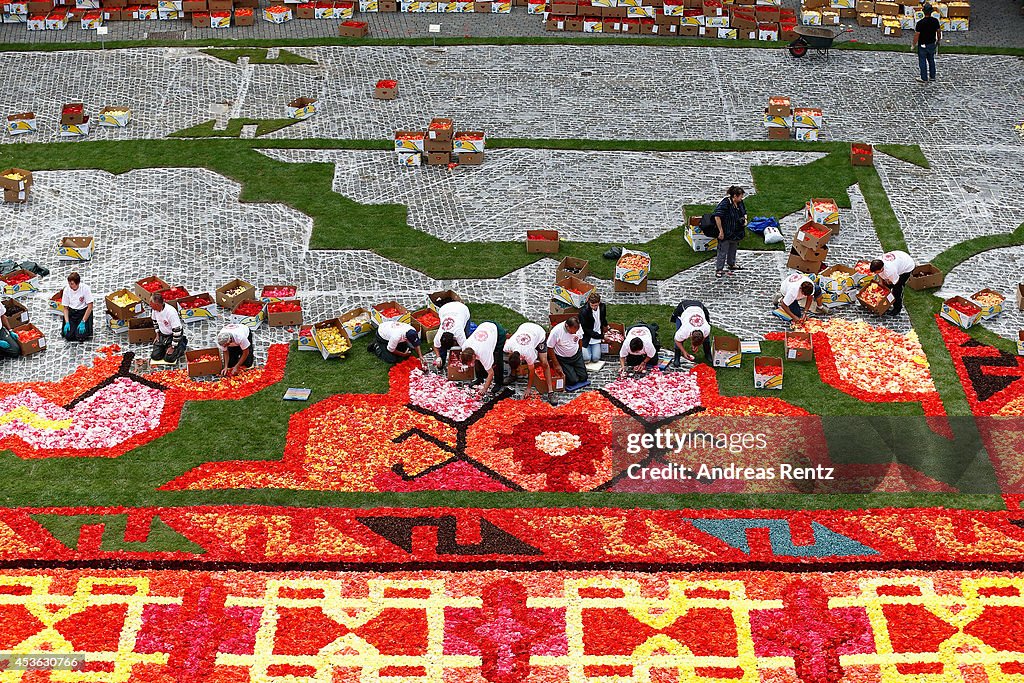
892 18
809 249
784 121
439 145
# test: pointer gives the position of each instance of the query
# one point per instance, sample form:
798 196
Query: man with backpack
729 221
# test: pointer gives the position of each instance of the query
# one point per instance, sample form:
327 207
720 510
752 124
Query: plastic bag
759 223
772 235
613 254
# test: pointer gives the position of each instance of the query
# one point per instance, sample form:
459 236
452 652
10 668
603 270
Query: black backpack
707 225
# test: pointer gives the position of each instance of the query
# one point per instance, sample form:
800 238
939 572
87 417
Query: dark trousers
678 357
162 344
499 360
897 293
574 368
380 349
926 60
235 353
444 356
75 316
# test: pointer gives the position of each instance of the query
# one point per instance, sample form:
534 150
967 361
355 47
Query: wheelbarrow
816 38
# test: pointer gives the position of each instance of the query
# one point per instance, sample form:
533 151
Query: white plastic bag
772 235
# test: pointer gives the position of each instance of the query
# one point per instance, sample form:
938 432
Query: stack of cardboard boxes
55 15
439 145
728 19
893 18
784 121
16 183
810 243
451 7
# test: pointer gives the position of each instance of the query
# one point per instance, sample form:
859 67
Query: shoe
372 347
892 314
719 273
731 273
922 80
736 268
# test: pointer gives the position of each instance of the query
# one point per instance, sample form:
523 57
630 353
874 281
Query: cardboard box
768 31
809 254
867 6
799 347
233 293
305 341
725 352
541 241
330 339
201 362
75 130
141 331
571 266
125 309
30 346
697 240
19 283
774 121
574 24
861 154
539 382
356 323
629 287
780 133
117 117
75 248
246 313
891 28
469 158
926 276
768 373
387 6
302 107
389 310
482 7
613 347
19 124
633 267
1020 297
16 313
559 312
805 134
876 298
148 286
244 16
72 114
837 279
887 9
386 89
277 317
277 14
992 307
201 19
427 331
797 262
190 6
278 293
812 235
116 326
808 117
197 308
572 291
431 146
867 19
220 19
15 179
1020 343
435 300
469 141
54 304
824 212
960 312
457 372
441 129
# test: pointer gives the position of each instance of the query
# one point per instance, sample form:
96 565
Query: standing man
731 220
927 35
564 342
234 342
451 331
693 324
396 341
170 340
528 344
639 350
594 321
77 301
484 350
894 269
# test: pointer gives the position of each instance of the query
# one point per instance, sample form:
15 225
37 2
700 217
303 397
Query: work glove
15 335
67 329
81 327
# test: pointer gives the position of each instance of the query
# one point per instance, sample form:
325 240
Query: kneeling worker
796 295
396 341
564 341
483 350
234 342
528 345
77 301
170 339
639 350
451 331
693 324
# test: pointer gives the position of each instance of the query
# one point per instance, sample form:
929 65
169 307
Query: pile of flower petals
438 395
657 394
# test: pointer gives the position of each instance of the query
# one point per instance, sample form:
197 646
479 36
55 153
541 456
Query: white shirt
239 336
527 340
597 321
791 288
644 335
896 263
394 332
454 316
167 319
483 341
77 299
692 320
564 342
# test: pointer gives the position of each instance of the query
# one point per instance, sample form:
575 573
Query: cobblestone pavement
608 92
586 196
999 269
993 22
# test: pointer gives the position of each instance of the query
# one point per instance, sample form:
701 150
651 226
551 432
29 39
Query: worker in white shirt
894 269
451 331
639 350
77 301
170 341
234 342
796 294
483 350
693 324
528 344
564 342
396 341
9 346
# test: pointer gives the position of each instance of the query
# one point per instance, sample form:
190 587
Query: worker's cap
412 337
